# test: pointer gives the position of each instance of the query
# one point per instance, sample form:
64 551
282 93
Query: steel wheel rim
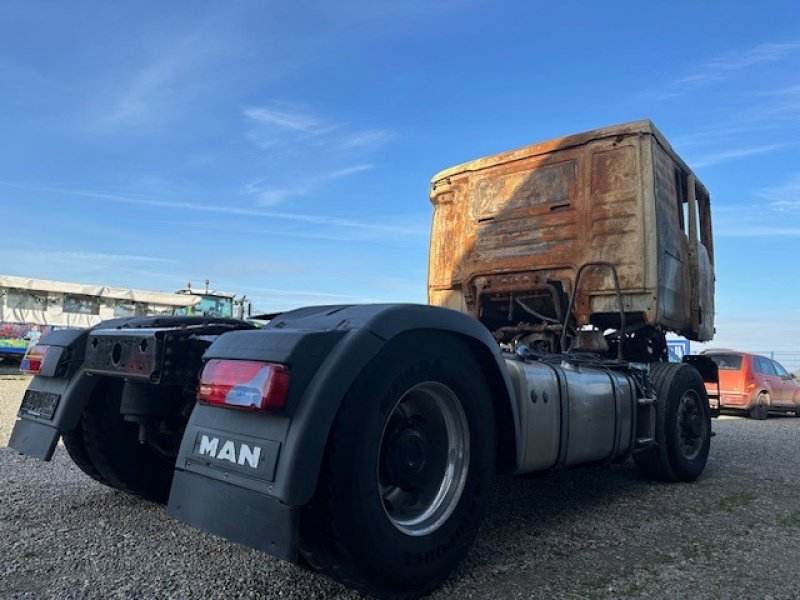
692 425
423 458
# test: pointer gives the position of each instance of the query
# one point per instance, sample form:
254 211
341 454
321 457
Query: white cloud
346 171
361 139
286 128
337 234
149 93
729 155
725 64
784 197
307 148
92 267
768 217
272 196
285 118
723 67
65 255
227 209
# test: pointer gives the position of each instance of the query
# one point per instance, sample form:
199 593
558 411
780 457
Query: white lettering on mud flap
241 455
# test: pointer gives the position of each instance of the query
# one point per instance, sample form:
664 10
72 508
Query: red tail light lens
34 359
244 384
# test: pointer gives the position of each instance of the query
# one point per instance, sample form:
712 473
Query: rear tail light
244 384
34 359
747 376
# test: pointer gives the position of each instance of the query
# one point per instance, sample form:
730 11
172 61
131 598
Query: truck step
645 401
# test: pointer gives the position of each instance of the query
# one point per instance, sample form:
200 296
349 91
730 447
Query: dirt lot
580 534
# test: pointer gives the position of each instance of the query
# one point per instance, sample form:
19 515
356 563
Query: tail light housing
749 379
244 385
34 359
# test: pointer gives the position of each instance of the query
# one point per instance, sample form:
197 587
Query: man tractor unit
363 440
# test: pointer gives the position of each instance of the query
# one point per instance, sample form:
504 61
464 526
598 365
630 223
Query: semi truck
363 440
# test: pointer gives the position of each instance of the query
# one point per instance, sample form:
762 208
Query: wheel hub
406 454
691 425
424 458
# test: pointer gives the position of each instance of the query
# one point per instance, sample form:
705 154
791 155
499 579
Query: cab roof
641 127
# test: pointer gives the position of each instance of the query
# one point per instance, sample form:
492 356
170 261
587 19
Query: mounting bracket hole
116 353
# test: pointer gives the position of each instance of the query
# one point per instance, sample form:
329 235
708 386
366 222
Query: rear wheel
407 471
113 449
683 425
76 448
760 409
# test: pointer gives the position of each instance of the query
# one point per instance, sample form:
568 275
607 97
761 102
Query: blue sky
284 150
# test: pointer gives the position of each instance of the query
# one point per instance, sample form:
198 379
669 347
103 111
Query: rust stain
518 225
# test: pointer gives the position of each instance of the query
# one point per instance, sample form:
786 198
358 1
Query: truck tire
407 471
113 448
76 448
683 425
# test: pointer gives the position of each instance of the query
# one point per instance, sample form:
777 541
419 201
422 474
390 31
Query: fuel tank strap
563 439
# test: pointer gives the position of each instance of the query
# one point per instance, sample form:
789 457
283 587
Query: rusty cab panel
510 232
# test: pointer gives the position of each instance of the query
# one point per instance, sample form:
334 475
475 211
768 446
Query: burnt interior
533 310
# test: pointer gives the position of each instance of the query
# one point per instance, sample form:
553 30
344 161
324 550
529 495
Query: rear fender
64 381
59 392
326 348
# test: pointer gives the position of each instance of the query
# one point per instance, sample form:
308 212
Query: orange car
753 383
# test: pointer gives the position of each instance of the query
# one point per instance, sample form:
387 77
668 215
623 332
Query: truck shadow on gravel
566 529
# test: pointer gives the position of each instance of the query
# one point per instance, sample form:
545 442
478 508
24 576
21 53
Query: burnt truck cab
362 440
516 227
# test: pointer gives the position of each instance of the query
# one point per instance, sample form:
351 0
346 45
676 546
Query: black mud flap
235 513
709 371
34 439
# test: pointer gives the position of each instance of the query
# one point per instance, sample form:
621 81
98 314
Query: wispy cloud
347 171
369 138
774 213
227 209
291 126
271 196
729 155
149 93
780 104
377 236
306 147
285 117
99 268
710 136
784 197
724 65
66 255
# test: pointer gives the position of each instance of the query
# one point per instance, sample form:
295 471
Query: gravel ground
12 386
588 533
